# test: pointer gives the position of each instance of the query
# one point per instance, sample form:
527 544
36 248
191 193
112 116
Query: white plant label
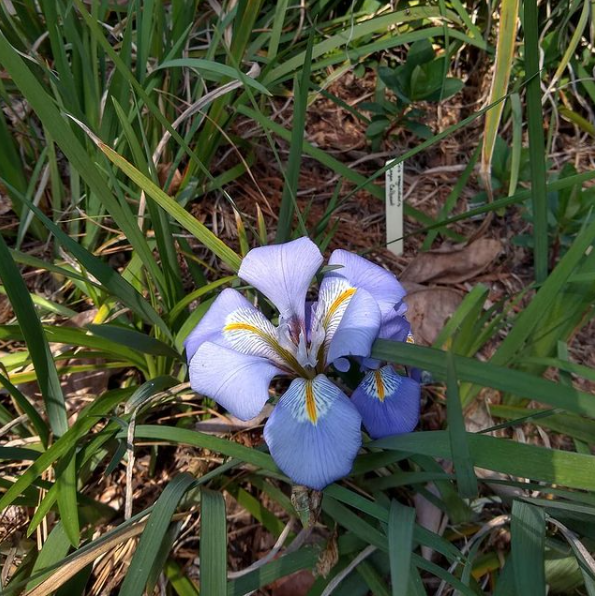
394 208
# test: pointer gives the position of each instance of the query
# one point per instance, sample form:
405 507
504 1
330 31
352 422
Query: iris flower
314 431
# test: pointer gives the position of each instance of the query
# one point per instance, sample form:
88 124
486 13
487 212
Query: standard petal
380 283
388 403
211 325
357 329
238 382
283 273
314 432
395 328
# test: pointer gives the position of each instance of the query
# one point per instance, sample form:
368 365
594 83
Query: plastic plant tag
394 207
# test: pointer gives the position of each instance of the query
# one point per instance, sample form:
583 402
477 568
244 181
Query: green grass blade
517 141
48 381
148 547
110 279
55 548
88 418
572 44
62 134
536 140
190 223
451 199
360 30
34 418
135 340
20 299
222 70
305 558
505 58
213 543
488 375
528 545
290 188
461 457
546 297
180 436
182 585
400 545
502 455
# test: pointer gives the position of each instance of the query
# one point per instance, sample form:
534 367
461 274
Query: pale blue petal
238 382
283 273
314 433
380 283
342 364
387 402
210 327
395 328
358 328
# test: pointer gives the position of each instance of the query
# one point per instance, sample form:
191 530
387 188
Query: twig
343 574
268 557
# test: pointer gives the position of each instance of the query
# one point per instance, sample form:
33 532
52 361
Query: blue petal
210 327
395 328
358 328
283 273
380 283
314 433
238 382
388 403
232 322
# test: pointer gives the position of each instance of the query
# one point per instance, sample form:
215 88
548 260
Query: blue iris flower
314 432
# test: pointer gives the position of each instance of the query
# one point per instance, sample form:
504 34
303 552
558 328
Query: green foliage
420 78
120 128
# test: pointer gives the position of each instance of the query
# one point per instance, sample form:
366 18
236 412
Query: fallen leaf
453 265
163 171
428 310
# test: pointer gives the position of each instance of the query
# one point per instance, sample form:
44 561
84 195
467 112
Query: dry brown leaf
163 171
453 265
428 310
